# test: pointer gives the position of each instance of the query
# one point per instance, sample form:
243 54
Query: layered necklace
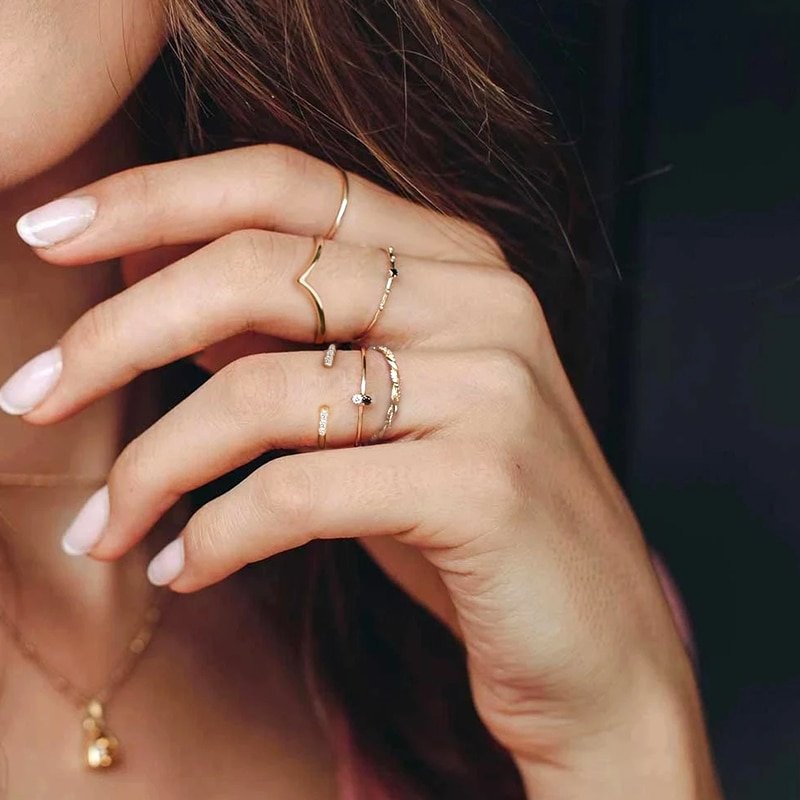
101 748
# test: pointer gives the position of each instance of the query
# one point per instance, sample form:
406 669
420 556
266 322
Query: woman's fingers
325 495
273 187
269 402
247 282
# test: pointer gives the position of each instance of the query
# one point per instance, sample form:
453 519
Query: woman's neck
38 302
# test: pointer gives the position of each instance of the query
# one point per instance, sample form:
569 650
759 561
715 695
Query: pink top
354 779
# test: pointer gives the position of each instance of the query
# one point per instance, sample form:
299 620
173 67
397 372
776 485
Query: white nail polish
31 383
57 221
86 529
168 564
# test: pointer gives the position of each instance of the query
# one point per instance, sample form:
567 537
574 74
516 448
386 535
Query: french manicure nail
57 221
85 530
168 564
31 383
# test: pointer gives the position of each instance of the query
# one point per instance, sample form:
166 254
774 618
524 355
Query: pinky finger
330 494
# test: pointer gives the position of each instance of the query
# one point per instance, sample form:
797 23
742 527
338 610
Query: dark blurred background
686 115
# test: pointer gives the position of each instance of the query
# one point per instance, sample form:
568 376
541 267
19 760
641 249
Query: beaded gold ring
390 276
394 395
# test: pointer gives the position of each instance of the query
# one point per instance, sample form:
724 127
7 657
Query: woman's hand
489 499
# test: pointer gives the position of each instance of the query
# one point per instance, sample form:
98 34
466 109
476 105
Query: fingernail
31 383
85 530
57 221
168 564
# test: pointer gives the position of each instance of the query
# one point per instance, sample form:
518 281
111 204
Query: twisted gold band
342 206
391 275
394 396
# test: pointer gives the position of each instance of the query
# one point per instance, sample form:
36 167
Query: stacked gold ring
361 398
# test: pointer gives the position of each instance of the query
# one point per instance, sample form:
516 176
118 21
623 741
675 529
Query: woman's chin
68 68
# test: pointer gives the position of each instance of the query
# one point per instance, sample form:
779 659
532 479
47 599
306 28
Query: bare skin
491 503
80 611
190 723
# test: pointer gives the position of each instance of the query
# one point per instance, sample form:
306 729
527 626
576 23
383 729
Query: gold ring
319 335
394 396
325 411
361 398
322 427
342 205
390 276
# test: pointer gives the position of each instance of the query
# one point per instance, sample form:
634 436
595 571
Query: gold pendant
101 745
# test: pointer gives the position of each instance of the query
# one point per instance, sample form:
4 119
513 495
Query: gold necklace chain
45 479
119 674
101 746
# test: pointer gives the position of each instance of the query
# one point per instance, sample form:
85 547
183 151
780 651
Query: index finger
270 187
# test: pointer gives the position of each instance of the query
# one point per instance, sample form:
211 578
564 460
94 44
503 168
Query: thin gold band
362 399
342 205
394 395
319 335
391 275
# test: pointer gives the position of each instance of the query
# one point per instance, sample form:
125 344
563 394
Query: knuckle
507 378
505 388
488 246
135 470
501 480
138 186
281 163
99 329
252 386
204 536
248 254
522 305
287 493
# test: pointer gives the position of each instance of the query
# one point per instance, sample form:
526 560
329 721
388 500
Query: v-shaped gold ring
303 281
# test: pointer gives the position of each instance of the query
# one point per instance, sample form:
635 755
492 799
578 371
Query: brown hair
427 98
